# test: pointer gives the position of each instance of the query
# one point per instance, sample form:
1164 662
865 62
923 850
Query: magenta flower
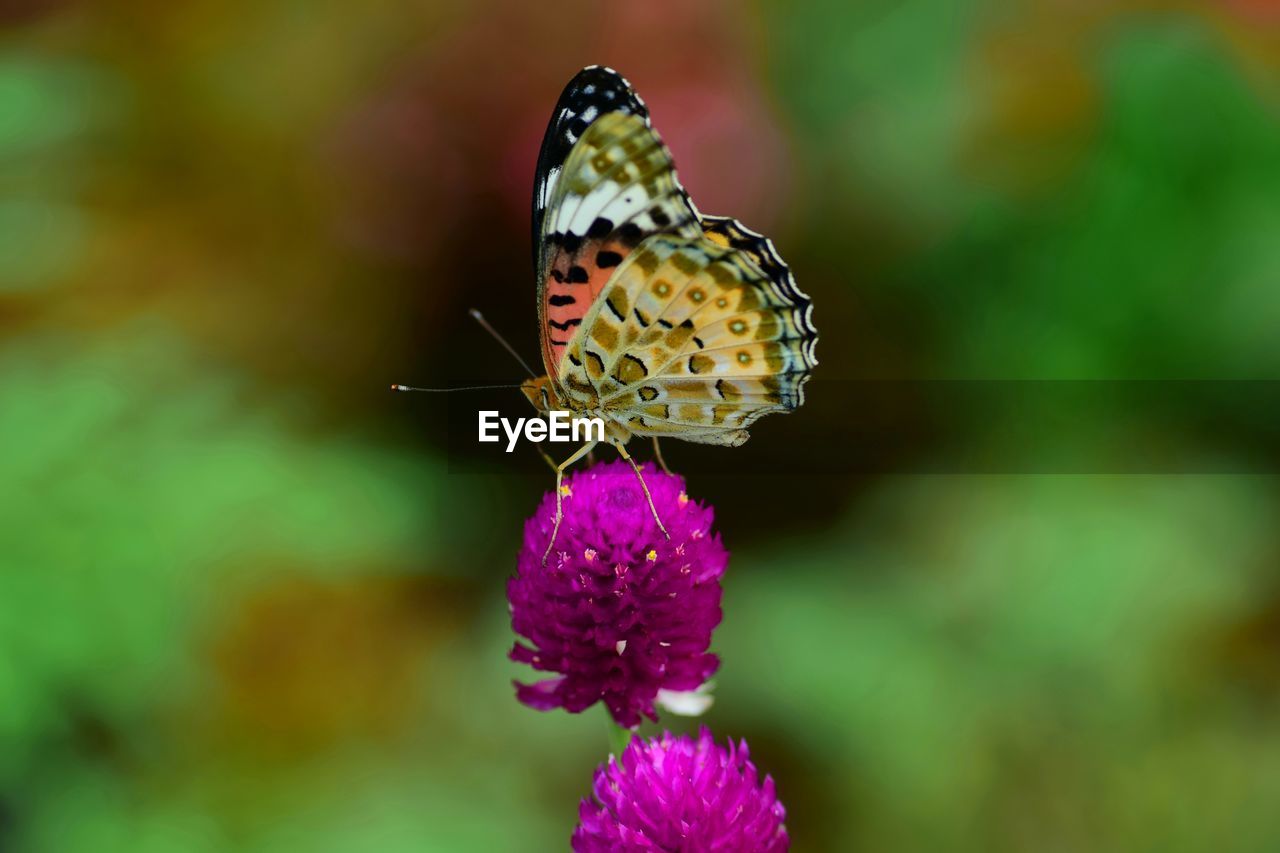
677 793
618 611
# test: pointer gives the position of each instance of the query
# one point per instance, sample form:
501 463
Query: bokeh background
249 603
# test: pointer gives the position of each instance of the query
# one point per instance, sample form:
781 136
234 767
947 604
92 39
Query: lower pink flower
680 793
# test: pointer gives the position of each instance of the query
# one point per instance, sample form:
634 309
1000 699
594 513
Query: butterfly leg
555 528
546 458
657 454
634 467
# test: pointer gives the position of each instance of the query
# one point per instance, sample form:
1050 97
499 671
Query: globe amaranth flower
618 611
680 793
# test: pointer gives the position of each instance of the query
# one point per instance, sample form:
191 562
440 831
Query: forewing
605 182
696 337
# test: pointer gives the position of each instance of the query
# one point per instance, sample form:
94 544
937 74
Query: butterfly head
541 393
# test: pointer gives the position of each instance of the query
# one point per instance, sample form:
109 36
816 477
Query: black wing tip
589 71
594 90
603 87
598 73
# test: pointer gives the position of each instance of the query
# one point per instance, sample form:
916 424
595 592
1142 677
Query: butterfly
657 319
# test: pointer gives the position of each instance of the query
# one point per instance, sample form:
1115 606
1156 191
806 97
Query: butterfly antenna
442 390
479 318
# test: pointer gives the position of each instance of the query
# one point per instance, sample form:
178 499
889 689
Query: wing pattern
605 183
695 337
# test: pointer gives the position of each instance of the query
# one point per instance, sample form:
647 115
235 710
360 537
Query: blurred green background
246 603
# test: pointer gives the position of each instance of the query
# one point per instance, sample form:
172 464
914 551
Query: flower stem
618 737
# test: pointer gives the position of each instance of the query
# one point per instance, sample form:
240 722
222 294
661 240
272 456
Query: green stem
618 736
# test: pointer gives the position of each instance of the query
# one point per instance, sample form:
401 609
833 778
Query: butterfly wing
604 183
695 337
